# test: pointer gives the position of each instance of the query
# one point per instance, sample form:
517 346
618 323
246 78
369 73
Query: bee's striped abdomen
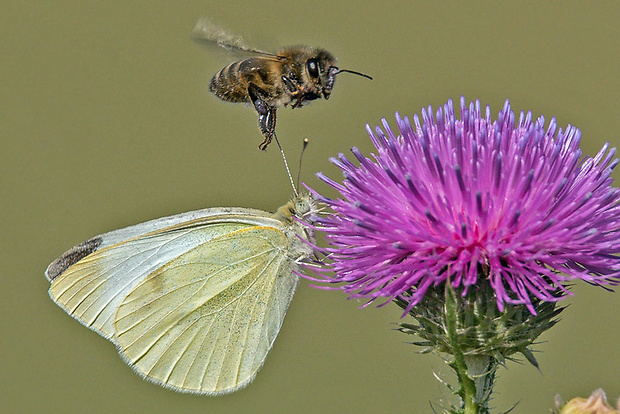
229 84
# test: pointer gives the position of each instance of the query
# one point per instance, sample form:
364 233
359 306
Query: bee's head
322 70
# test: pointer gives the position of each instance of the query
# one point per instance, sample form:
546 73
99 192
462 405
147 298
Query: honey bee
293 75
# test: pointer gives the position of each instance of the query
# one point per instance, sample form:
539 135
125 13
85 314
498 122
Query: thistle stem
481 369
467 387
475 373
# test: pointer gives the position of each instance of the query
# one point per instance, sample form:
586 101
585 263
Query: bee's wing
90 280
205 321
206 32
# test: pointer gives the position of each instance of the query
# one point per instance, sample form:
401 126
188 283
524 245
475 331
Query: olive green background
105 121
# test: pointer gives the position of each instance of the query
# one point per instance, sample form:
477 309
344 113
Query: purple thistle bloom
470 201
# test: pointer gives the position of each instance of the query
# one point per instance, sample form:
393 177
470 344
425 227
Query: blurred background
106 121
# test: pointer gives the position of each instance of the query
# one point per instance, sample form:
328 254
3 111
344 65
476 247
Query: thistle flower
473 201
595 404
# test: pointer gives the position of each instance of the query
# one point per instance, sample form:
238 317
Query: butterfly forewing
92 289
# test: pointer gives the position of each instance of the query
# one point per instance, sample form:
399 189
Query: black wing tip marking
72 256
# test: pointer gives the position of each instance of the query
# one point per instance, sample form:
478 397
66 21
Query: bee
292 76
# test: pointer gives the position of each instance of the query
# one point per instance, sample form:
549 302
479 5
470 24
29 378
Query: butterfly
194 301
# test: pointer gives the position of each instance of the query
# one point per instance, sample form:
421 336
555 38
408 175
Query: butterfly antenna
288 171
301 155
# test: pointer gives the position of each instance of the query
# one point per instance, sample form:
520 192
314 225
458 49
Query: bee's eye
313 67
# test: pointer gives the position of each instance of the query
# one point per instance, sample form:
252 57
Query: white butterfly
193 302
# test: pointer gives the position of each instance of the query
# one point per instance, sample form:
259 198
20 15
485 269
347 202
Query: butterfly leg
266 114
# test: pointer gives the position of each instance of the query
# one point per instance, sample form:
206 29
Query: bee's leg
266 115
267 124
298 100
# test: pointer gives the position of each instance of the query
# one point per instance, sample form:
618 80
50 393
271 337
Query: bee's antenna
305 145
363 75
288 171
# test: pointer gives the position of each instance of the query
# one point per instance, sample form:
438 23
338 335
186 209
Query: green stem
482 369
467 386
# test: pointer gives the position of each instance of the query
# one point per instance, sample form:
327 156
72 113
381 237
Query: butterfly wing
90 280
205 321
193 302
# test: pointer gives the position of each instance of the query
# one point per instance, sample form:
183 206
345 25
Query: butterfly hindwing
205 322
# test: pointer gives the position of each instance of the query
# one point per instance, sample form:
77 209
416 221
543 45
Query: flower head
595 404
473 201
